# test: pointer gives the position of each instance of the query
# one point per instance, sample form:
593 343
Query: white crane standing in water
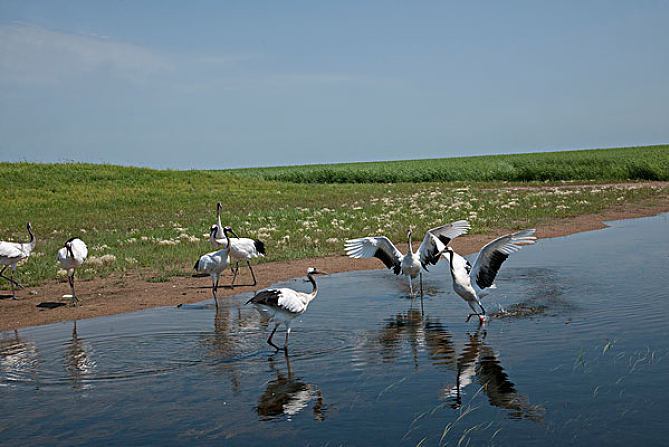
214 264
11 253
70 256
409 264
282 305
473 283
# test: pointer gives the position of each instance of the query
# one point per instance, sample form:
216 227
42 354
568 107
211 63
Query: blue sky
218 84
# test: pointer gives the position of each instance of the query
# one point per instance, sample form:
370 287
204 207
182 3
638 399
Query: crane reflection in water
19 360
79 364
288 395
476 364
226 342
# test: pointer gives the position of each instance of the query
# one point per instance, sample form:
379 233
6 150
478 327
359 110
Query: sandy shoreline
131 292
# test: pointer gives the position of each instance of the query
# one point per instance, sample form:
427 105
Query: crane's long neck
410 247
218 222
227 240
450 264
32 241
314 291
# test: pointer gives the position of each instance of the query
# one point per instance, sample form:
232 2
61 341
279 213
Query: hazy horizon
332 163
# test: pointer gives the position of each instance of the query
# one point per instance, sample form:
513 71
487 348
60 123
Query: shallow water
576 355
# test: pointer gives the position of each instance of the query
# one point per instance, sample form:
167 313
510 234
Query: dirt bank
131 292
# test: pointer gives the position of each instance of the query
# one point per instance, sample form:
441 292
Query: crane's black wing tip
260 246
269 297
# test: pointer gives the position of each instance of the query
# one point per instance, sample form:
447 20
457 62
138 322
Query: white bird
243 249
13 252
473 283
71 256
217 238
214 264
411 263
284 304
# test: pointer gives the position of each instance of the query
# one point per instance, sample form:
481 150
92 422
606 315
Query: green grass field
156 221
619 164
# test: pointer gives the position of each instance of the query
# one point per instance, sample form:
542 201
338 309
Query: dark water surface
577 355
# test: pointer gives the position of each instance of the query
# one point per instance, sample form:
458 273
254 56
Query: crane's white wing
79 248
375 247
61 255
492 256
10 250
436 239
284 299
292 301
246 248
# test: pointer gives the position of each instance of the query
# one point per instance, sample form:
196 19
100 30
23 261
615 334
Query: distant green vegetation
156 222
620 164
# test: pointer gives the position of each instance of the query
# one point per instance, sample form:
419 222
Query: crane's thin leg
420 275
255 281
410 287
70 279
14 283
481 315
13 289
285 344
476 312
11 280
3 276
235 272
269 340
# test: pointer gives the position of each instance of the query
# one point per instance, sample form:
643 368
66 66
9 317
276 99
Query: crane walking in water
473 283
282 305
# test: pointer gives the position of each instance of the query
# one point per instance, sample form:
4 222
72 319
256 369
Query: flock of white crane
282 305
